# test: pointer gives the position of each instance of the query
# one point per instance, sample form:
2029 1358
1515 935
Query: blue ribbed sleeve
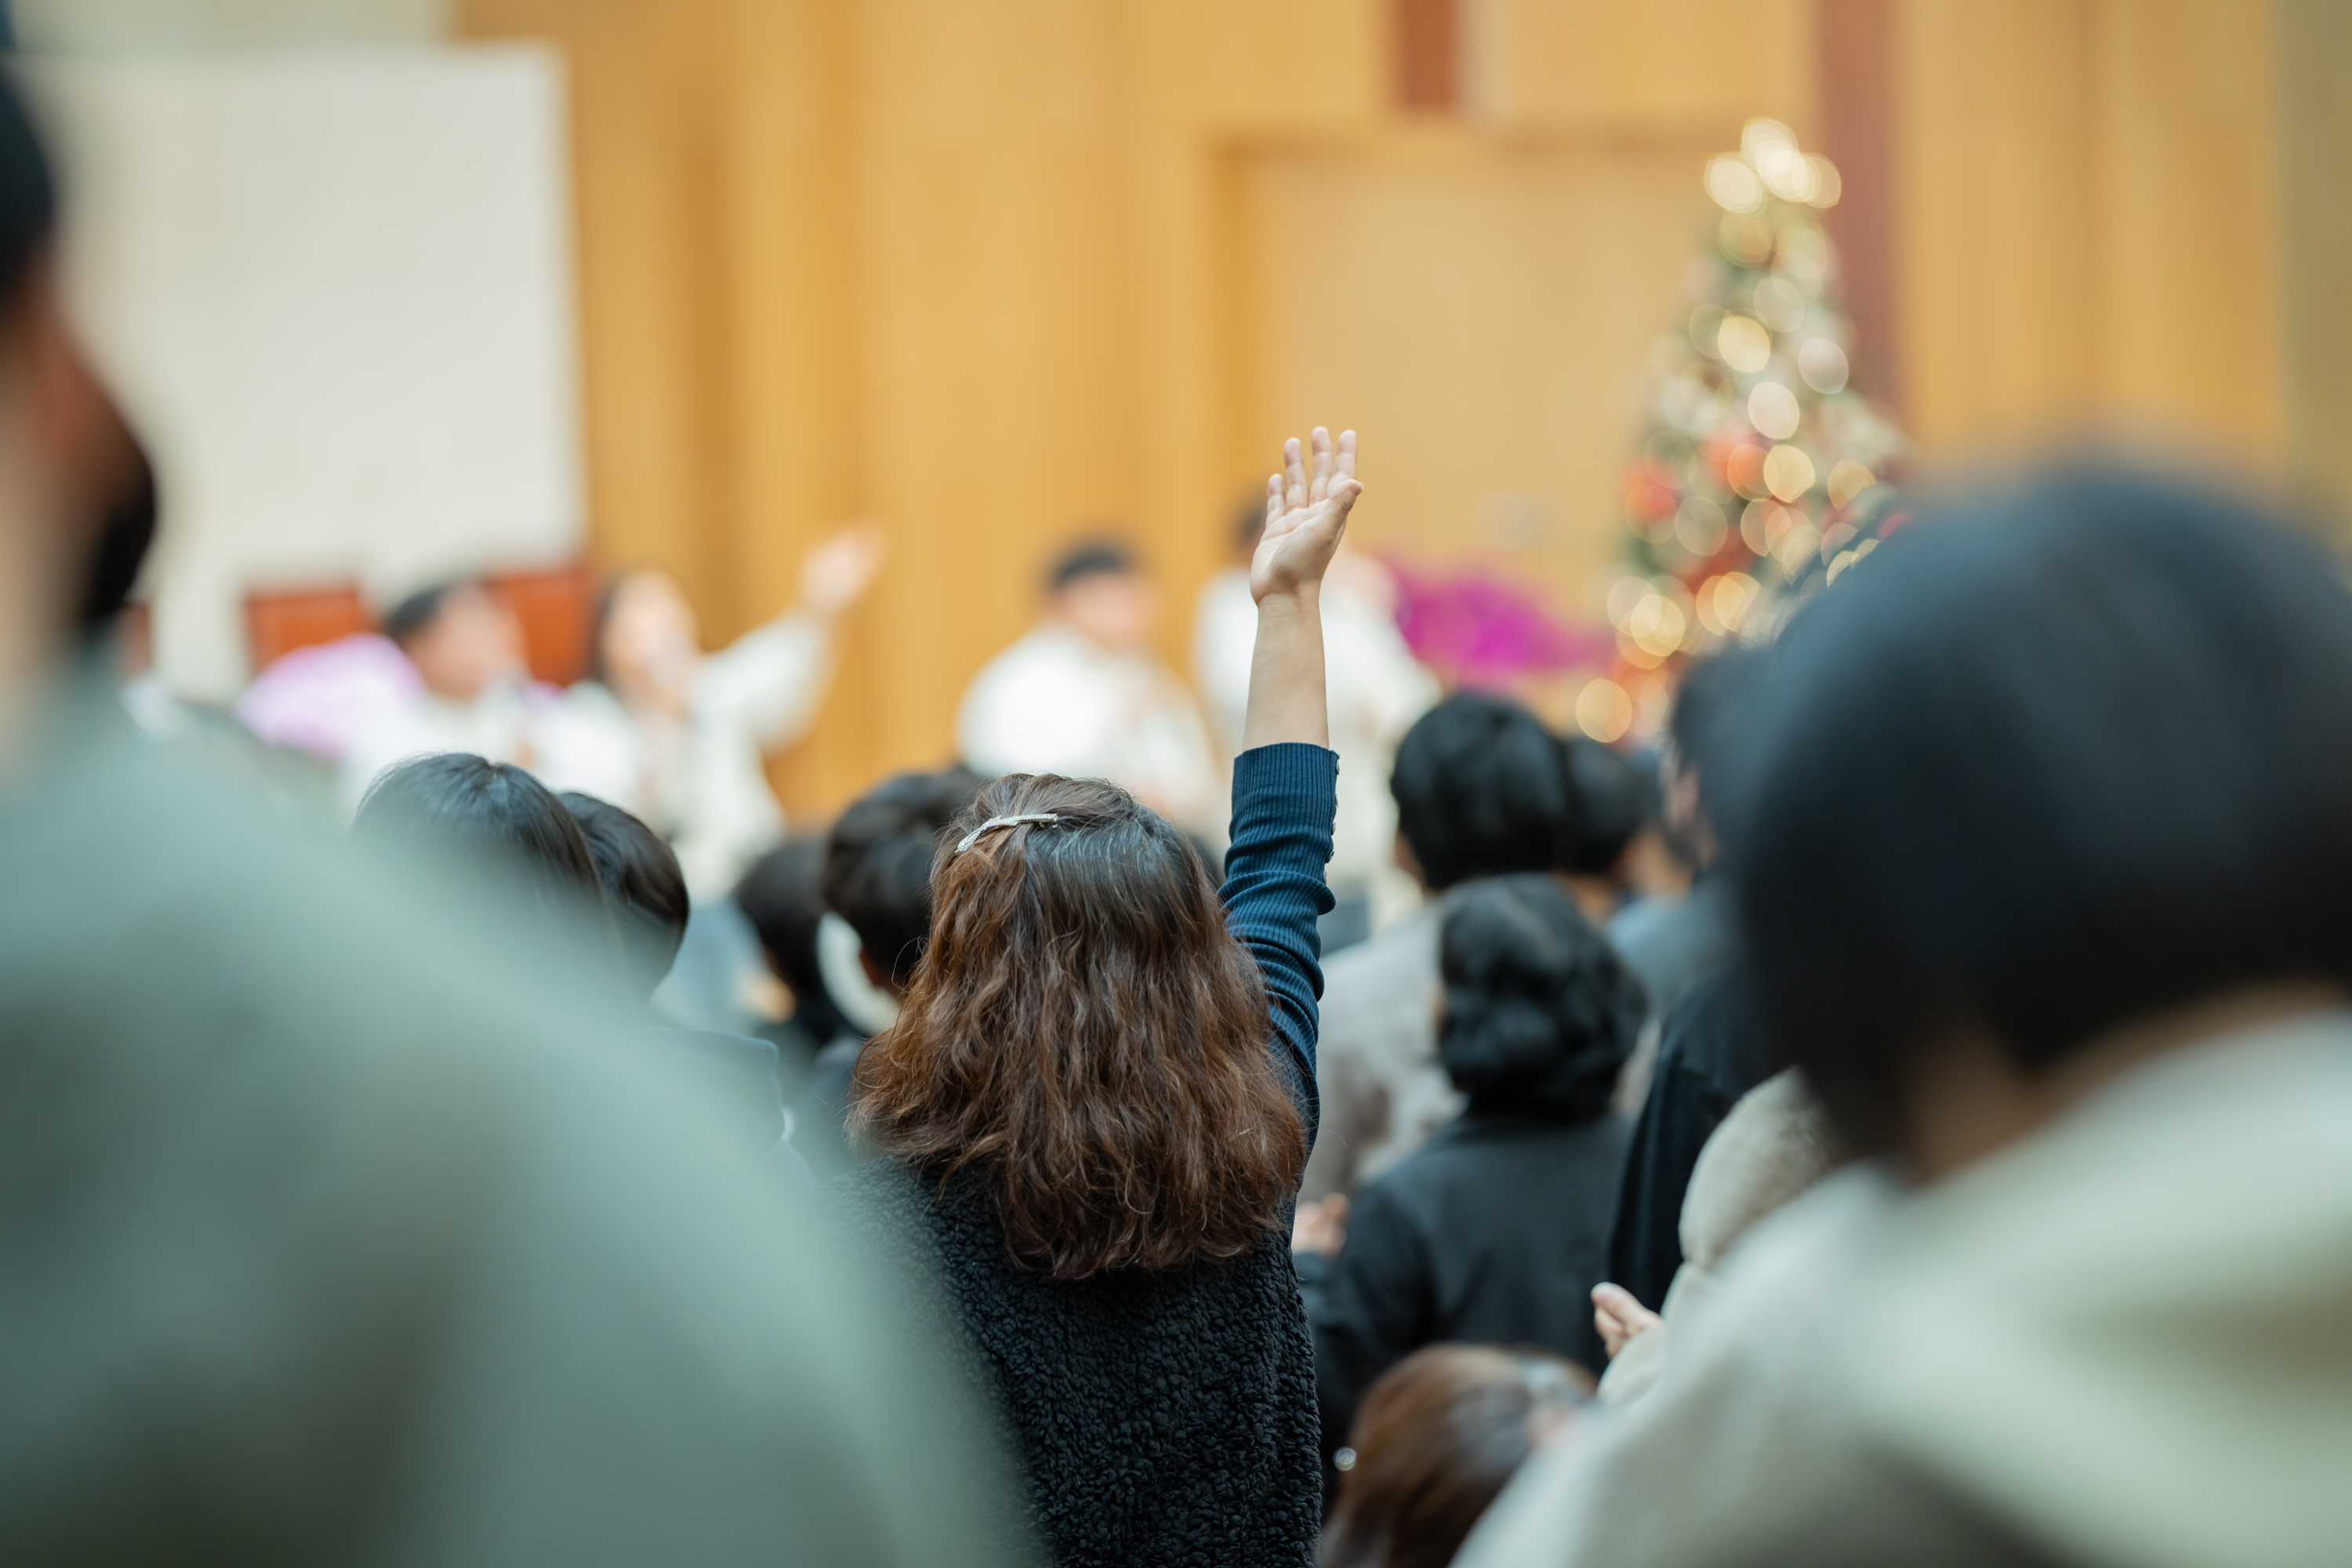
1285 800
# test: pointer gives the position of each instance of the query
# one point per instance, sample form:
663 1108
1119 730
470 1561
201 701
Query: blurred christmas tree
1760 468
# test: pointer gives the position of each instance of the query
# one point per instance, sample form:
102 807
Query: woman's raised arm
1305 517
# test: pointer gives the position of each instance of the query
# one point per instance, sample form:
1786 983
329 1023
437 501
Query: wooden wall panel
985 272
2086 222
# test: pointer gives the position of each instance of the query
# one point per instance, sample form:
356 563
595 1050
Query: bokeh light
1603 710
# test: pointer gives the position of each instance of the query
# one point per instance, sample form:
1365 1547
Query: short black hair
488 813
1704 725
410 618
1095 558
28 193
1613 799
2054 758
878 861
779 895
1540 1012
643 889
1482 789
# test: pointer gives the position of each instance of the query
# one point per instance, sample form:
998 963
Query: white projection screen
333 289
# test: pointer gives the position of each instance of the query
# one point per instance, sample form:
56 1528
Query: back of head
1085 1035
492 816
1482 788
1540 1012
2063 756
416 613
1438 1438
878 862
643 889
1612 800
779 895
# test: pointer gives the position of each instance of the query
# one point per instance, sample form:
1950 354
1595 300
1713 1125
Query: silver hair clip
994 822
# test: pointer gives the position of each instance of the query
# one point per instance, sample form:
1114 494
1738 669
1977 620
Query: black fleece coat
1164 1417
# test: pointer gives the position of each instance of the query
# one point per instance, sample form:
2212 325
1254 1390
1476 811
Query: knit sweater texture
1164 1417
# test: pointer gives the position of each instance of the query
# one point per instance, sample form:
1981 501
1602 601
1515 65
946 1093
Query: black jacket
1714 1049
1164 1418
1493 1232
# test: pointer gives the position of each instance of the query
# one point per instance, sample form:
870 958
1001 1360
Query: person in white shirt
1084 696
679 738
476 694
1376 688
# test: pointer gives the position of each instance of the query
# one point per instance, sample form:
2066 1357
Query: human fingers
1344 463
1318 443
1293 471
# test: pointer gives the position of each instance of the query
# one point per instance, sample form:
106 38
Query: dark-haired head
1438 1438
877 864
644 890
779 895
1613 798
1094 558
408 619
1540 1012
461 809
1482 788
101 474
1085 1036
2056 759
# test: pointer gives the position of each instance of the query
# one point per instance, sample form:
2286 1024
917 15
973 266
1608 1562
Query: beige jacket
2125 1339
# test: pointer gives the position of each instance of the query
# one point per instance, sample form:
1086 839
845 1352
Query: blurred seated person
1496 1229
644 892
467 647
2054 922
1482 789
337 1231
1377 690
678 738
1439 1437
1084 695
876 878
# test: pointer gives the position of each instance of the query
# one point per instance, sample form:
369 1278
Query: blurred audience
1440 1435
678 738
2040 855
340 1227
1482 789
1496 1229
1085 696
1377 690
473 695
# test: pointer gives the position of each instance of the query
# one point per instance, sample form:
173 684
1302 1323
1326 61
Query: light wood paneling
992 272
2087 219
1481 309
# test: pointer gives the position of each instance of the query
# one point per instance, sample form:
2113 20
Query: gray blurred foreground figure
2041 850
330 1235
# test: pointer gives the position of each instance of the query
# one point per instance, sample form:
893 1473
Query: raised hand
1306 514
837 571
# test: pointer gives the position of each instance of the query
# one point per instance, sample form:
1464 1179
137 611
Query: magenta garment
317 699
1481 631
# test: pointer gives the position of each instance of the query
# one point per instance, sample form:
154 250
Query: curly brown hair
1084 1034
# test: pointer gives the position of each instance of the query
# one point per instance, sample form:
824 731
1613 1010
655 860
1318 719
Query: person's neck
1969 1101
